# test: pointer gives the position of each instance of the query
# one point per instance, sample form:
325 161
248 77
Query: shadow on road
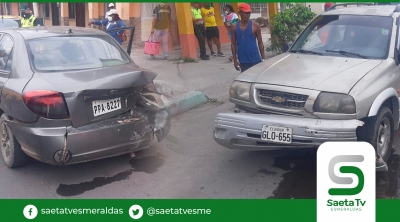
301 181
73 179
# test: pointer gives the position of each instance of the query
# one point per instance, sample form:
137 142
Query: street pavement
212 77
188 164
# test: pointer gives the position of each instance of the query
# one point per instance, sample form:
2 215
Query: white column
35 9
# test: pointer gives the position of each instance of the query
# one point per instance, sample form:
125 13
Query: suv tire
378 131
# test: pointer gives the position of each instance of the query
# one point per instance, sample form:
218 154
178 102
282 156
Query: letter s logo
346 180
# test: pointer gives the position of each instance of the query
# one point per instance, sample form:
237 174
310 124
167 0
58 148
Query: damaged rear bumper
243 131
112 137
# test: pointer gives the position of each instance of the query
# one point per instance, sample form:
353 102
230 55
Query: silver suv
339 81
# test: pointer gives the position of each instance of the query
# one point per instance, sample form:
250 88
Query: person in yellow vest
29 20
199 30
212 31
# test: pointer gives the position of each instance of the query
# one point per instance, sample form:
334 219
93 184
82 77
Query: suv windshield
8 24
346 35
75 53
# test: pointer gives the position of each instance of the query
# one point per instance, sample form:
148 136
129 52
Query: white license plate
276 134
101 107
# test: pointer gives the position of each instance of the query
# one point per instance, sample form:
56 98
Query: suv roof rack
333 7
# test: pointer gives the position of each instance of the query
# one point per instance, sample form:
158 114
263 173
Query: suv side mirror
286 46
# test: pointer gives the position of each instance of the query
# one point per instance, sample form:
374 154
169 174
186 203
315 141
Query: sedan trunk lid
95 94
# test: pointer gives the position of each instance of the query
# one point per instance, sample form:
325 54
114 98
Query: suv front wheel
379 132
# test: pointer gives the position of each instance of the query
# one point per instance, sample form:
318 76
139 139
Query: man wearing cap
199 30
113 21
247 44
29 20
110 7
327 5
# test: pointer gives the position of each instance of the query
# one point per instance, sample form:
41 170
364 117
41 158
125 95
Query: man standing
199 30
29 20
161 26
110 7
212 31
245 37
327 5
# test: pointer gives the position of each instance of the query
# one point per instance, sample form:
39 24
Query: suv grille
282 99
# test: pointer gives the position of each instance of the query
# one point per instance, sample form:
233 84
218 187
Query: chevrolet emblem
278 99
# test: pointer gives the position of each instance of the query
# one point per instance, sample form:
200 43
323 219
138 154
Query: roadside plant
287 25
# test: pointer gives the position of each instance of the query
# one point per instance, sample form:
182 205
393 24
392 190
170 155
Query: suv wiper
348 53
307 51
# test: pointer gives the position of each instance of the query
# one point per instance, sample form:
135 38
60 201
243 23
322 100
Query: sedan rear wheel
13 155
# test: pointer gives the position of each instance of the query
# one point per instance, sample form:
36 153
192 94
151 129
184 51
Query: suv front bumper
243 131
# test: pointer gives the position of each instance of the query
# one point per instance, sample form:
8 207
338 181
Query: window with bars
47 10
71 10
258 7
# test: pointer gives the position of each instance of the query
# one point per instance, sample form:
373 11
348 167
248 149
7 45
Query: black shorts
212 32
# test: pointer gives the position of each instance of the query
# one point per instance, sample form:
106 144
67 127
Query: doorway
80 15
55 14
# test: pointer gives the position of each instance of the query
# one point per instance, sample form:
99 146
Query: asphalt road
188 164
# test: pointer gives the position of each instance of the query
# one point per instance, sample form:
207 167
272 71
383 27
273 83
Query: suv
339 81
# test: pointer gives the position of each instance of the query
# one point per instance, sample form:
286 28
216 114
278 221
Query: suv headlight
335 103
240 91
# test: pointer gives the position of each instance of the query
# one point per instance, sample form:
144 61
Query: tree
287 25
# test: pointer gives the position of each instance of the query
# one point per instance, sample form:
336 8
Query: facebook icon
30 212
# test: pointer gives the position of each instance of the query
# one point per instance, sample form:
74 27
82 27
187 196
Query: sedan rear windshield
347 35
75 53
8 24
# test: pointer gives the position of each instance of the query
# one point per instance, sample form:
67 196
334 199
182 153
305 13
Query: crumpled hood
324 73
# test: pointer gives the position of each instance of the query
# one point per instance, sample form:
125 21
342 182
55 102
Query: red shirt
323 34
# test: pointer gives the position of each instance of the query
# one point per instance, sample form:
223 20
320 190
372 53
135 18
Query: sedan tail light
47 104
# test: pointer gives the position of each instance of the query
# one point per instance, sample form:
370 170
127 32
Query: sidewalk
212 77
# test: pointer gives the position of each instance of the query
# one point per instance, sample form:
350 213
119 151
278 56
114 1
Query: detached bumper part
162 125
243 131
381 165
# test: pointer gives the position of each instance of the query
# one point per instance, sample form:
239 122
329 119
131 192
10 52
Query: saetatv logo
346 182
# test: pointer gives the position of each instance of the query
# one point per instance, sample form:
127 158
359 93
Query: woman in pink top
230 18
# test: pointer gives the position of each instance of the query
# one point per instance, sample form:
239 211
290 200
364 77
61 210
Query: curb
185 102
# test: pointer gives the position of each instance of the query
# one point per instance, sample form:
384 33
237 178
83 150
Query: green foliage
287 25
